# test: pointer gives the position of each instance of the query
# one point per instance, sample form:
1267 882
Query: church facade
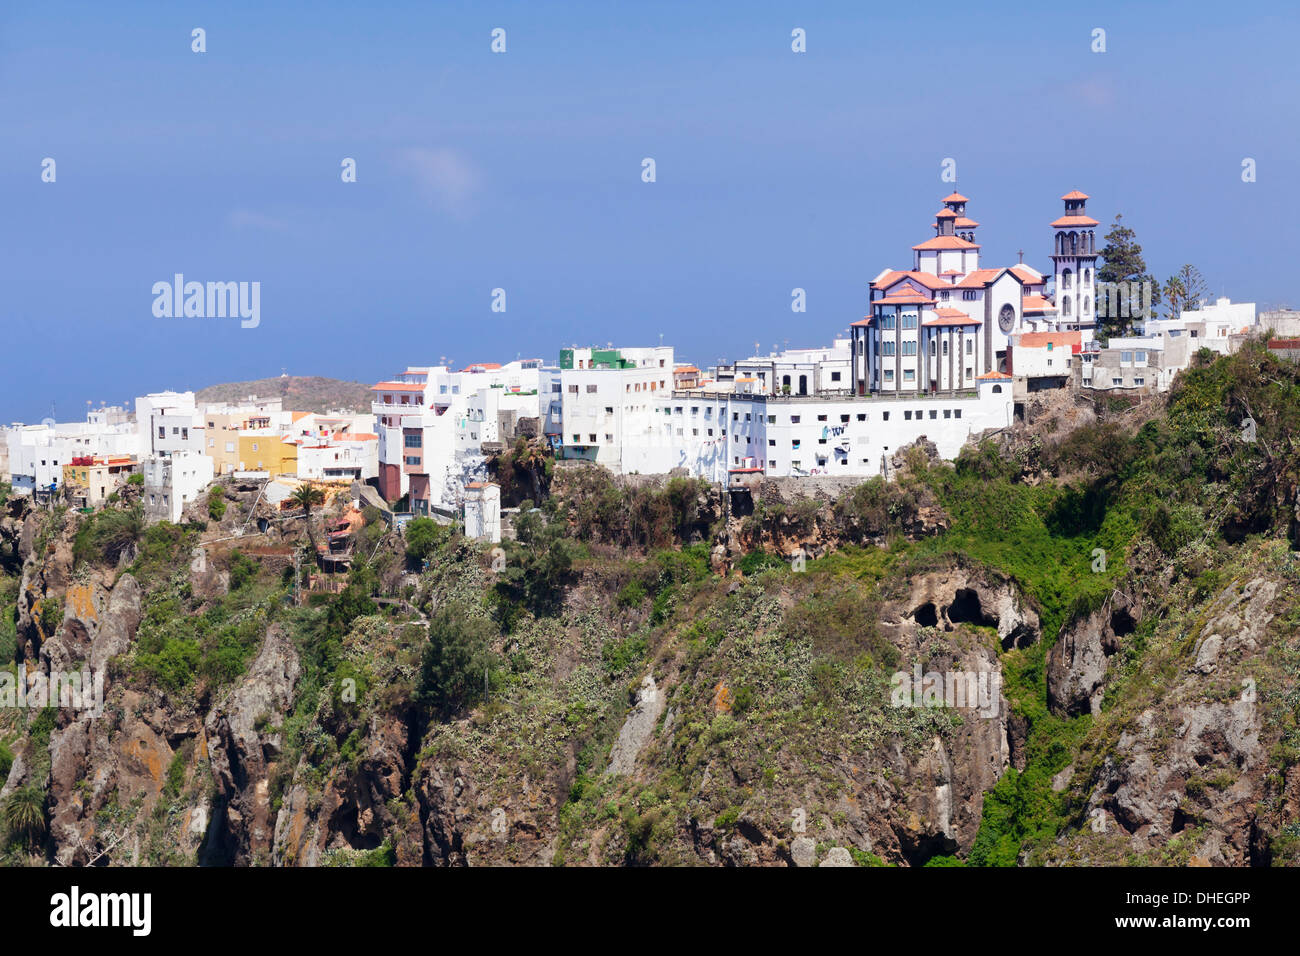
947 322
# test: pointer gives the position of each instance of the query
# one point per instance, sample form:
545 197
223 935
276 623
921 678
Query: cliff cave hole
965 609
926 615
1121 622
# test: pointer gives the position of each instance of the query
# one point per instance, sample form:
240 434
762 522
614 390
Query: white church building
939 326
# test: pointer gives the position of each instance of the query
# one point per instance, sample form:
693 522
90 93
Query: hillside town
949 348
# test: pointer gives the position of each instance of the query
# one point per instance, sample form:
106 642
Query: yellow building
91 479
267 451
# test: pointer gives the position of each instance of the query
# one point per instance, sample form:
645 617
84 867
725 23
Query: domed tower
954 212
1074 252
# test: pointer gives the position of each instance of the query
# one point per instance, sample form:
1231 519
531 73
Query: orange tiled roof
1075 194
964 223
905 298
945 213
1036 303
1025 276
927 279
1039 339
979 278
396 387
1066 221
951 317
955 197
946 242
994 375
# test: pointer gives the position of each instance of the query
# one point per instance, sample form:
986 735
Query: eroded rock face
1196 764
983 598
242 732
1078 661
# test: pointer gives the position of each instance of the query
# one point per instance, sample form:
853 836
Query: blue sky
522 171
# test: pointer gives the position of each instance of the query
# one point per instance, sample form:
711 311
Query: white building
341 458
483 511
712 435
428 438
606 405
174 422
172 452
937 327
38 453
174 480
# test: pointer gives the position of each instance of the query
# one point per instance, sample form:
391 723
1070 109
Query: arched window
1065 307
1087 304
1066 278
1074 243
1087 276
803 384
945 347
997 389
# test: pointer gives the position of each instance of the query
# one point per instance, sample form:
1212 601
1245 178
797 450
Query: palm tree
24 814
305 498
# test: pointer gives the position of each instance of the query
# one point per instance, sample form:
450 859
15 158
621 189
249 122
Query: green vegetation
216 504
423 535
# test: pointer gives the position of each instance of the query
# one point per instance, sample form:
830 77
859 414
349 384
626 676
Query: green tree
24 814
457 661
423 535
306 498
1122 262
1184 290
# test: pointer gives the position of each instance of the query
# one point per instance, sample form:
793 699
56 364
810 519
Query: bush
456 660
216 505
106 535
423 535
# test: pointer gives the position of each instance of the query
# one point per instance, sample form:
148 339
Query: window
909 375
947 413
862 416
794 419
907 415
255 446
230 447
591 389
794 443
555 387
771 463
945 347
1126 356
593 439
844 418
956 413
909 320
969 296
889 375
821 418
835 376
1139 381
970 346
933 413
413 441
771 419
410 460
609 409
885 415
573 390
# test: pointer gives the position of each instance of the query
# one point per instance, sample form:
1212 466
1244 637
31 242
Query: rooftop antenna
1021 254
